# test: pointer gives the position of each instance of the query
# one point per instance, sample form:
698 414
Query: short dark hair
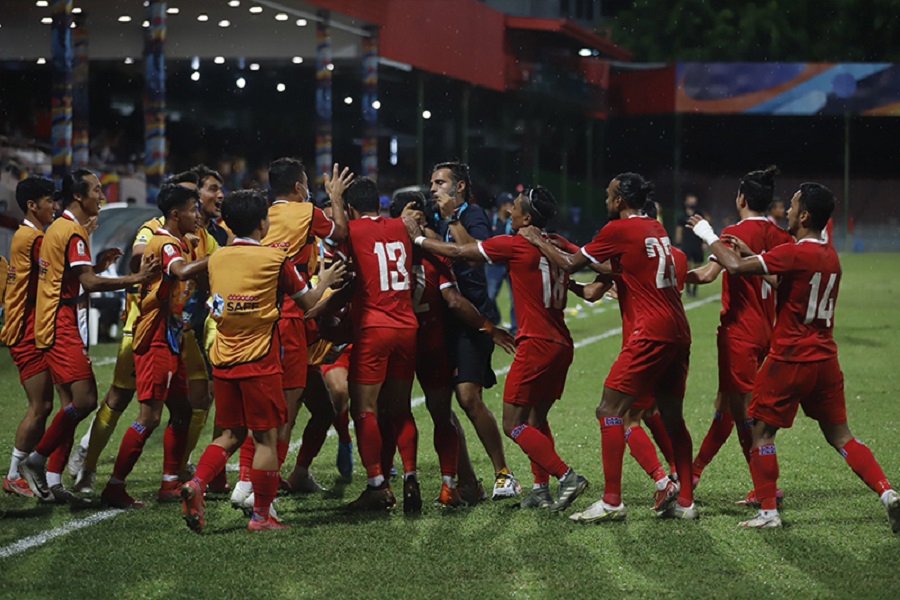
284 173
172 196
184 177
459 171
818 201
758 188
33 188
202 172
362 196
74 183
420 202
650 209
634 189
540 204
242 211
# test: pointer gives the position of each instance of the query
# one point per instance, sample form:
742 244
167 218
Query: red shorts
293 353
739 362
68 358
381 352
160 374
650 367
28 359
782 386
433 368
256 403
342 362
538 372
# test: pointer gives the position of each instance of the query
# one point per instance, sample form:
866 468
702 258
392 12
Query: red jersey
382 260
748 303
538 287
810 276
646 282
431 275
681 269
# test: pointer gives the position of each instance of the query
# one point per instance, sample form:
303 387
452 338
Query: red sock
130 450
612 449
212 462
311 443
745 436
764 470
174 445
60 431
407 436
643 452
342 426
248 451
446 445
281 450
863 463
539 449
718 433
683 448
265 486
658 430
541 475
368 441
57 460
388 443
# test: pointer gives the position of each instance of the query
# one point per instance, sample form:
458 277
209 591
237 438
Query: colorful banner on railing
867 89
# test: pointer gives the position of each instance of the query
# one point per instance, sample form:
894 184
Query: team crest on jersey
79 247
170 250
218 305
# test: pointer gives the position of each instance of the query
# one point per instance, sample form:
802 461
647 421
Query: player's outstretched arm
468 252
335 186
705 274
327 277
466 312
91 282
183 271
731 260
592 292
570 263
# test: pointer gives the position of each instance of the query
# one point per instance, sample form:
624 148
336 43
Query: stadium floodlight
281 17
224 23
585 52
241 82
173 10
426 114
280 87
129 60
42 61
219 60
376 105
297 60
254 66
42 3
301 22
145 24
46 20
76 10
195 76
234 3
348 100
256 9
124 19
203 17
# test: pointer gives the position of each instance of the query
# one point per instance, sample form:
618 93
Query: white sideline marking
74 525
42 538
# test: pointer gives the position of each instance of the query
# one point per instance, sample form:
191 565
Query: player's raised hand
445 204
91 224
531 233
192 239
337 182
504 339
411 211
332 274
106 258
413 227
149 267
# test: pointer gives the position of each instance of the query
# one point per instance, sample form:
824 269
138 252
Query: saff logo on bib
218 304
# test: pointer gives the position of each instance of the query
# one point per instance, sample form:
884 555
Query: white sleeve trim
484 254
171 262
447 284
331 233
589 257
80 262
762 261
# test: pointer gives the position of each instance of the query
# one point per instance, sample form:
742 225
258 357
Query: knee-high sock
541 475
863 463
388 443
718 433
446 445
101 430
59 457
658 430
265 486
174 443
368 441
407 436
342 426
683 448
764 470
130 450
211 463
61 431
248 451
198 420
612 449
643 452
539 449
311 444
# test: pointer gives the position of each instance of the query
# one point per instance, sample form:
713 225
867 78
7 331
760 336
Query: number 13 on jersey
392 266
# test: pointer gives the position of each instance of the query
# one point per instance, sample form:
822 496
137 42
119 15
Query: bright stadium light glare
241 82
76 11
124 19
195 63
42 3
129 60
203 17
47 20
280 87
195 76
297 60
301 22
348 100
224 23
145 24
330 66
254 66
173 10
376 105
256 9
219 60
234 3
426 114
584 52
281 17
42 61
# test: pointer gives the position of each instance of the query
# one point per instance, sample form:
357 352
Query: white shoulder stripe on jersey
589 257
763 262
484 254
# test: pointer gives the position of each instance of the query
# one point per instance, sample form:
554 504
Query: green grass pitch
836 543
